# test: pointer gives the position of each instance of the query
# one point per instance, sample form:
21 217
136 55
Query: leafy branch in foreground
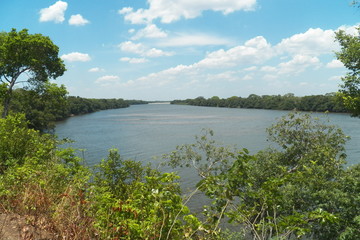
349 55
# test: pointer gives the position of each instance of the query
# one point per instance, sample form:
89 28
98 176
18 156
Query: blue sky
178 49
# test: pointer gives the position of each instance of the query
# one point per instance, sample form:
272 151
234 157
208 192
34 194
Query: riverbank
314 103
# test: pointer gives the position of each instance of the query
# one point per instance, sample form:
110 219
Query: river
141 132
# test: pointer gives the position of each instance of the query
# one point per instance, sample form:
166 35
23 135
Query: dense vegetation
48 103
301 188
315 103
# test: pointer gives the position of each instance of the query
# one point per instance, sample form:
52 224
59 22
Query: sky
178 49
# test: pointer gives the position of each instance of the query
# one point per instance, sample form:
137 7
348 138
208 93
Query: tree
42 105
19 144
356 3
298 189
33 54
349 55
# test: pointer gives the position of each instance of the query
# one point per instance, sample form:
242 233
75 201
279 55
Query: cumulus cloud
254 60
298 63
150 31
335 64
170 11
54 13
268 69
78 20
251 69
142 50
352 30
335 78
107 80
76 57
133 60
254 51
194 40
96 69
229 76
312 42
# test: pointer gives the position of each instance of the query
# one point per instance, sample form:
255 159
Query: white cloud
254 51
335 78
255 60
335 64
170 11
107 80
251 69
142 50
298 64
194 40
248 77
76 57
229 76
132 47
96 69
133 60
352 30
54 13
268 69
313 42
126 10
154 52
78 20
150 31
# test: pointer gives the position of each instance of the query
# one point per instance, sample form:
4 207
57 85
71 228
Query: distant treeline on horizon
316 103
79 105
43 108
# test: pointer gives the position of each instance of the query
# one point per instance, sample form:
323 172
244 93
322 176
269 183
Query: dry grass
38 213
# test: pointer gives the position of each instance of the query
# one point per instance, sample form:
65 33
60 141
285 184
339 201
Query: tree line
315 103
48 103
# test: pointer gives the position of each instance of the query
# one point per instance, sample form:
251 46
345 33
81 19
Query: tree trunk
6 104
7 98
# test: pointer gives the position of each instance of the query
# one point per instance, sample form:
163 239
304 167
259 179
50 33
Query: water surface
141 132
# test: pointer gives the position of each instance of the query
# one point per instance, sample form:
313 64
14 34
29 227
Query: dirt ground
15 227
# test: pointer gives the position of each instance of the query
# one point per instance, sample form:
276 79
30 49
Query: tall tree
33 54
349 55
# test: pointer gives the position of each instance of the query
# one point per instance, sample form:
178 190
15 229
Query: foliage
42 105
54 190
33 54
41 183
297 189
315 103
78 105
349 56
136 202
19 144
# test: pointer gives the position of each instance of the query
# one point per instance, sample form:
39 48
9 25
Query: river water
141 132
